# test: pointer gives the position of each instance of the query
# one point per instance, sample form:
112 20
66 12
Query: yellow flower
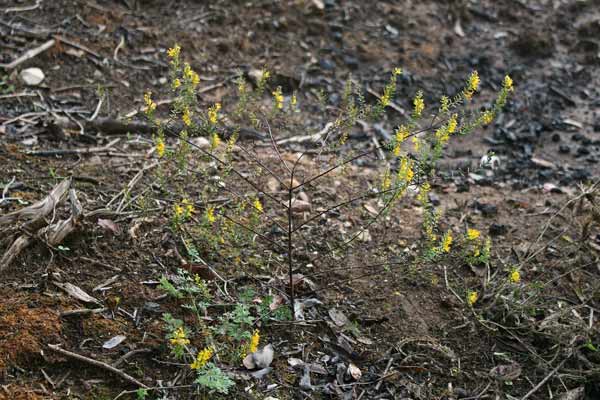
210 215
409 174
195 79
241 86
447 242
294 100
416 144
150 104
187 117
179 337
452 124
419 104
258 205
187 71
278 96
215 141
508 83
515 276
190 74
160 147
213 113
385 99
487 117
174 51
179 211
405 172
253 345
443 135
473 234
176 83
425 189
386 183
265 75
473 81
401 133
397 71
188 206
472 297
202 358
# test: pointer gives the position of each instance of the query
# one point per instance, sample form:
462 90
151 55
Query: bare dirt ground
410 332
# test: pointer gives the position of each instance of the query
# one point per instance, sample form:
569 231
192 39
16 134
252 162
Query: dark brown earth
411 332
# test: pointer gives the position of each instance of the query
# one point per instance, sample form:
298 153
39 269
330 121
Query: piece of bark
56 233
53 234
41 209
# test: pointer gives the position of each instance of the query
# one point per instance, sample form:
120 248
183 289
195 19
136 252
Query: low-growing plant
235 201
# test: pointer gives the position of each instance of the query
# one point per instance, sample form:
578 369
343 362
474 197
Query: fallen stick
110 126
306 138
128 355
52 234
82 311
78 46
21 243
97 363
40 209
56 233
16 95
25 8
543 381
63 152
29 54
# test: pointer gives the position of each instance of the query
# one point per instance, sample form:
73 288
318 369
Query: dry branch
62 152
29 54
97 363
52 234
41 209
57 232
21 243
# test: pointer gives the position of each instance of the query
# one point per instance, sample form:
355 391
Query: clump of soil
534 44
18 393
22 330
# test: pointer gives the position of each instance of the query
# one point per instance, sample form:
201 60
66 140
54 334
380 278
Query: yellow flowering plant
472 297
237 213
202 358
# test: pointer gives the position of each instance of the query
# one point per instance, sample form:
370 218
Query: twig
123 393
6 189
98 364
62 152
125 192
479 396
40 209
449 287
77 46
387 368
128 355
20 94
26 8
543 381
29 54
119 46
306 138
97 111
82 311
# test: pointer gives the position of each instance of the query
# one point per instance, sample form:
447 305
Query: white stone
32 76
